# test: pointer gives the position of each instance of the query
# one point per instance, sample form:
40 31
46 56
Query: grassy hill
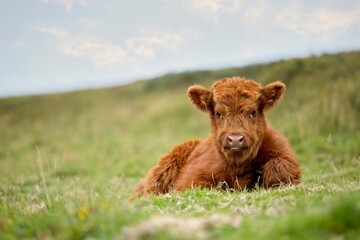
68 162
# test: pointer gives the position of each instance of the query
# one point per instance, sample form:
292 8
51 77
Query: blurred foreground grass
68 162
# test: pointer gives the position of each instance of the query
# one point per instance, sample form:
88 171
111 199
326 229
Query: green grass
69 162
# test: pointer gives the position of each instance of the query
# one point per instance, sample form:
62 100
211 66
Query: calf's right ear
200 97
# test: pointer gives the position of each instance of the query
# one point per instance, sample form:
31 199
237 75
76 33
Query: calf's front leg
279 172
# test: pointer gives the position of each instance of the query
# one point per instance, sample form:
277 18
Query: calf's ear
271 94
200 97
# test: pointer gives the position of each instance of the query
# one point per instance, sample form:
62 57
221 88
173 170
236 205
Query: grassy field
69 162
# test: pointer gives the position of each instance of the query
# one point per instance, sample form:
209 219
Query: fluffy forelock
236 87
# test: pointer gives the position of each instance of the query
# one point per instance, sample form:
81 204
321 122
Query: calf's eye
253 113
218 115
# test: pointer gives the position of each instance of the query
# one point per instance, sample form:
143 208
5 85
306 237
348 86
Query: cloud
212 8
19 44
248 53
320 23
100 52
153 39
256 12
88 23
133 50
68 4
56 31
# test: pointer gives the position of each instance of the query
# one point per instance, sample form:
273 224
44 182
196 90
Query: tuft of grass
96 144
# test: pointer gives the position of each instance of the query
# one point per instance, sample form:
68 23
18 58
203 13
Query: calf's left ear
271 94
200 97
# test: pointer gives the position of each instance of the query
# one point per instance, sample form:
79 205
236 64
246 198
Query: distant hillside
337 65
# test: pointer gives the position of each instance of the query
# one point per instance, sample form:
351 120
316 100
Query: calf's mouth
236 149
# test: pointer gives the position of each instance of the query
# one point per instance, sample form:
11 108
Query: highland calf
242 151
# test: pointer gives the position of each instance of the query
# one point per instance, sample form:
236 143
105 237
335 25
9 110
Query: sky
63 45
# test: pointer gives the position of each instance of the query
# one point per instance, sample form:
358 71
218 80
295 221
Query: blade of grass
39 162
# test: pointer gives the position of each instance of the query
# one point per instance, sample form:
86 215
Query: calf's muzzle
235 142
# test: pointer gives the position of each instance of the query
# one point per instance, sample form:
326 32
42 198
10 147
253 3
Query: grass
69 162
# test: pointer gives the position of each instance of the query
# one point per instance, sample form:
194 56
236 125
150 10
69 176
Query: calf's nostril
235 139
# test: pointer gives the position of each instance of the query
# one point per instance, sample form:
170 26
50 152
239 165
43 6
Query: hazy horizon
122 82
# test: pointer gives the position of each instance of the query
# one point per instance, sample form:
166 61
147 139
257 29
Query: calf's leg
160 178
278 172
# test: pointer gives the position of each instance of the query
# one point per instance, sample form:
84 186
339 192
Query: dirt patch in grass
183 227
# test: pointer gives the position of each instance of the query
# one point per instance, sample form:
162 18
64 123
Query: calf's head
236 108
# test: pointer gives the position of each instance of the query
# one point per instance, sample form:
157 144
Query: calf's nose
235 140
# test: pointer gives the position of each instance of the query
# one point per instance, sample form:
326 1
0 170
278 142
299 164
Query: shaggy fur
243 150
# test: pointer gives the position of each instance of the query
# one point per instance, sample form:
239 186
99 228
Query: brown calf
243 149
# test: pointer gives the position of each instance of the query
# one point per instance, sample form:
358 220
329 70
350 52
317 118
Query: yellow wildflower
82 215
